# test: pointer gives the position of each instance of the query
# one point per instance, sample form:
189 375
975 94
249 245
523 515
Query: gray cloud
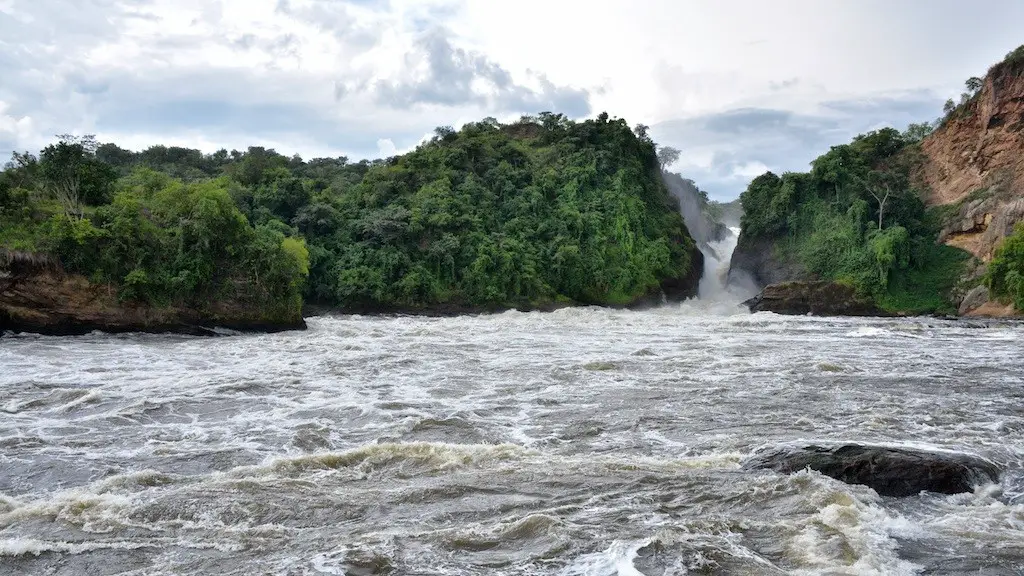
719 150
333 16
48 81
451 76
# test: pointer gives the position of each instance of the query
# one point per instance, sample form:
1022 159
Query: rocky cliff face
36 296
759 259
815 297
975 163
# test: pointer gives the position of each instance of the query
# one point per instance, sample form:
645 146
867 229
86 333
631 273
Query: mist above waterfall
693 204
716 236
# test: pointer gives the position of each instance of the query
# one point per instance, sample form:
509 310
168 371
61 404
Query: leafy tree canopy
491 215
856 217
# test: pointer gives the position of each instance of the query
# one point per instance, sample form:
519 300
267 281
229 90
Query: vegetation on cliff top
856 218
161 241
1012 66
525 214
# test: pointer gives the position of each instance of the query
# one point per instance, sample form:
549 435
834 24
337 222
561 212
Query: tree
115 155
1005 273
917 132
974 85
949 106
641 131
882 199
836 167
62 166
444 133
667 156
888 186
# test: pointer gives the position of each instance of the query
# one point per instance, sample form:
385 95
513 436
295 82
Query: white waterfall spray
714 282
717 286
716 241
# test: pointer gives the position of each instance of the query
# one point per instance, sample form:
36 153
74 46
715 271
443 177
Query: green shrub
1005 273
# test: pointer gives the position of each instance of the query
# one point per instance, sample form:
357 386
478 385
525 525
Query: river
584 441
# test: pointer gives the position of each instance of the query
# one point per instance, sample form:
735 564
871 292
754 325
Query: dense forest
535 212
857 218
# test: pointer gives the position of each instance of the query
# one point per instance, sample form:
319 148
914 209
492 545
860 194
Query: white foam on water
616 560
861 534
109 433
35 547
868 332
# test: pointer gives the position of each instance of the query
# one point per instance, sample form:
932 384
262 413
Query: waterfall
716 240
715 284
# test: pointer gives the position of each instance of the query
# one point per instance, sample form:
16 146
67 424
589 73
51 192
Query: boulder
814 297
974 299
890 471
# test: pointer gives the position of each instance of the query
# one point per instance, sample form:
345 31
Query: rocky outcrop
980 140
890 471
979 225
818 298
677 290
974 162
759 259
975 298
994 310
44 300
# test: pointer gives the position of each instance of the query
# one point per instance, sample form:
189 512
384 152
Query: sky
739 86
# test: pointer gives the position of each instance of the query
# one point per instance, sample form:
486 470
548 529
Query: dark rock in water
890 471
816 297
37 298
699 554
759 258
367 563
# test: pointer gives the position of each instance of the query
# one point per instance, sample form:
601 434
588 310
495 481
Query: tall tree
63 166
667 156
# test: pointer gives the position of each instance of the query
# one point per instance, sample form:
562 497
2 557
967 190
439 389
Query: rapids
579 442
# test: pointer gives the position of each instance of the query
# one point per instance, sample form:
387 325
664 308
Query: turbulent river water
579 442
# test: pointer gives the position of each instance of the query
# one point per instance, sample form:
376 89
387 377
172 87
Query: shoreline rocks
818 298
890 471
52 303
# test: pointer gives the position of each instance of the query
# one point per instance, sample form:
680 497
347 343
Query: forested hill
529 214
856 218
891 212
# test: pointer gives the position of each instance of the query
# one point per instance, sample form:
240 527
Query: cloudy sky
738 85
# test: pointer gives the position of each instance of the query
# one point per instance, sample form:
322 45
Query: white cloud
12 127
749 170
386 148
331 77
